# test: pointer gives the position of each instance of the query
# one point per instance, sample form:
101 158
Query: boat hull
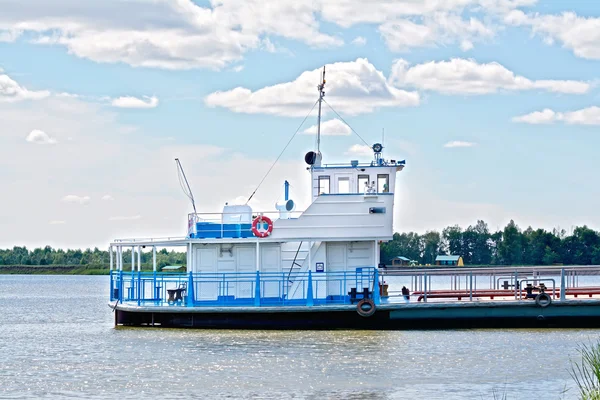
567 314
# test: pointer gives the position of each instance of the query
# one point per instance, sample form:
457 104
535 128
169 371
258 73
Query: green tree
482 247
432 247
510 249
453 240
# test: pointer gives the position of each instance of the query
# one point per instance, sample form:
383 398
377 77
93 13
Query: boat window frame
324 177
364 188
386 185
345 179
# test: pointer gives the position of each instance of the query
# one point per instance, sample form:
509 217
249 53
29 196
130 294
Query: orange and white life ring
260 232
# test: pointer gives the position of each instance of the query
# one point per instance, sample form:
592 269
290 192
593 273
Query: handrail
149 239
223 288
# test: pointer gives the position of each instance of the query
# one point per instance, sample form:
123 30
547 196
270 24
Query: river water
57 340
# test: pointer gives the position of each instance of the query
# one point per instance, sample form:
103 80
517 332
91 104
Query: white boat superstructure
334 241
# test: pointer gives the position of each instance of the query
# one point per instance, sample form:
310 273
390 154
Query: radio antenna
321 88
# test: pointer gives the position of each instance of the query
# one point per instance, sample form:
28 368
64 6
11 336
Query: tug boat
314 269
250 268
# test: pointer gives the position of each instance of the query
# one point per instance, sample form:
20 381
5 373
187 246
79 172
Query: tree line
511 246
476 244
100 258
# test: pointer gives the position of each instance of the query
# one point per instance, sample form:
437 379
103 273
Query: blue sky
493 103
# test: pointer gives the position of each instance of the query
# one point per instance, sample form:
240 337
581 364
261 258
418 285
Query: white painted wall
245 258
339 217
277 258
205 262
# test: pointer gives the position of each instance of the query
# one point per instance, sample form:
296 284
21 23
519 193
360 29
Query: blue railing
244 289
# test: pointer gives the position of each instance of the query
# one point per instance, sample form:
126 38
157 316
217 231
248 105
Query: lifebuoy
543 300
365 308
260 220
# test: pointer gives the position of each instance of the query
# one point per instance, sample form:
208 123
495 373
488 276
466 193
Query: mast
321 88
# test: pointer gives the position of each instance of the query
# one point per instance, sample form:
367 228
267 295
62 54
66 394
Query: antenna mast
186 189
321 88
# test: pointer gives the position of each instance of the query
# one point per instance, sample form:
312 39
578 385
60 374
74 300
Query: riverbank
53 270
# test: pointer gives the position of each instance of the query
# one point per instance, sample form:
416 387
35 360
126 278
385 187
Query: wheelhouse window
343 185
324 185
383 183
363 183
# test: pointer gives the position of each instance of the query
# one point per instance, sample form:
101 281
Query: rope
344 121
282 151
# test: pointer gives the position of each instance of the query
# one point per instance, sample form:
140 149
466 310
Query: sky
494 105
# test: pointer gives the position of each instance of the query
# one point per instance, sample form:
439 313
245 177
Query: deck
328 300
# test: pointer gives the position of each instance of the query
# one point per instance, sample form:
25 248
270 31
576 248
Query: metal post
425 291
516 282
376 294
562 285
139 254
376 254
188 267
309 291
121 286
132 258
154 258
119 258
110 252
471 286
190 291
139 287
257 256
287 190
257 289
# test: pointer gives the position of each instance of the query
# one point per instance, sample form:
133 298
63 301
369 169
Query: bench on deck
176 295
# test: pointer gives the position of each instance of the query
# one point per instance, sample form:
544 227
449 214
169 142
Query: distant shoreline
53 270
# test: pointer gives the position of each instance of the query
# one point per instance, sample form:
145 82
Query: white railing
153 239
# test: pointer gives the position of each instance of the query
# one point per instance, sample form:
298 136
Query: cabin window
344 185
363 183
324 185
383 183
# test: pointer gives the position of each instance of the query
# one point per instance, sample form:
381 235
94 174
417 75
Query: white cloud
466 76
579 34
182 34
39 137
545 116
164 34
57 222
11 91
359 41
458 143
134 102
360 150
440 28
353 87
333 127
71 198
238 68
585 116
124 218
107 197
350 12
